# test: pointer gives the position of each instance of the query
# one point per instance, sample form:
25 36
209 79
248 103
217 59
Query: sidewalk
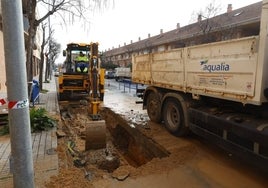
44 145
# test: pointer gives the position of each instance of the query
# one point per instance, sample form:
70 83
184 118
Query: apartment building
232 24
36 52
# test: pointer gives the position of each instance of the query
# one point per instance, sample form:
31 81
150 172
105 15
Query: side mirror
64 53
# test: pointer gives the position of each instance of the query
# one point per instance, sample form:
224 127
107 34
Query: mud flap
95 135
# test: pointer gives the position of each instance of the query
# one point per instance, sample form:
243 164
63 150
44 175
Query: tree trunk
47 69
30 43
41 67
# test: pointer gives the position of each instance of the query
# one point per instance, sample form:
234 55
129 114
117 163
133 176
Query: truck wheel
154 107
174 117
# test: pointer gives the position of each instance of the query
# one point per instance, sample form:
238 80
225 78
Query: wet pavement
122 98
193 162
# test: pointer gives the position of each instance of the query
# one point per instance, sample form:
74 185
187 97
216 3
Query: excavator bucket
95 135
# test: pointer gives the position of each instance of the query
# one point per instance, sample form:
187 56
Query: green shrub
4 130
40 120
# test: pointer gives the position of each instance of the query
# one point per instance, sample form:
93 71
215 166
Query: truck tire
174 117
154 107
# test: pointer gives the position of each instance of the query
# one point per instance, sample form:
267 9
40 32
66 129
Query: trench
133 146
136 148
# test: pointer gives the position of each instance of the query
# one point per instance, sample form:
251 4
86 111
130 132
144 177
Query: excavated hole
130 143
136 148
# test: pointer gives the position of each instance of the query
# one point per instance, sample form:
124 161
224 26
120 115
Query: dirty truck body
90 80
216 90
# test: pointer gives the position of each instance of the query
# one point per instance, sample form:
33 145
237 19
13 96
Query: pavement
44 144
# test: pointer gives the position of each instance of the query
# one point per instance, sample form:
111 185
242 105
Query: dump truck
216 90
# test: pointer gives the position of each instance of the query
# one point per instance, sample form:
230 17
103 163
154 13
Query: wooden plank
42 145
4 165
48 142
54 143
35 145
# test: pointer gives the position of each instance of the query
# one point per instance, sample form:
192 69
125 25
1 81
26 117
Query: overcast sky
128 20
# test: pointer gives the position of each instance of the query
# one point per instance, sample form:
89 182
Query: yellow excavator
82 77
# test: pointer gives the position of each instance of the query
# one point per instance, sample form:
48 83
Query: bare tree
53 52
71 9
204 20
41 67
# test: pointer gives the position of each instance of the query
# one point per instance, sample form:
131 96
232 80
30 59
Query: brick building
36 52
2 59
230 25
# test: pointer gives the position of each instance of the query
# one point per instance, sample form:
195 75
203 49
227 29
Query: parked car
109 74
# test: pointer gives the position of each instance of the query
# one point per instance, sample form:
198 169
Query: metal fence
128 86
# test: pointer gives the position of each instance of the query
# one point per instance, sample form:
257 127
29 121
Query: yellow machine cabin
81 75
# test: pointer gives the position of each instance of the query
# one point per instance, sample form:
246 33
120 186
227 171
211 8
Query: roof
78 46
248 15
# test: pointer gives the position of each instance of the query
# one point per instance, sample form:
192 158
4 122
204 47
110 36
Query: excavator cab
77 58
82 75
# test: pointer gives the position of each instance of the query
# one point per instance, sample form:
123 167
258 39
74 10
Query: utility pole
21 161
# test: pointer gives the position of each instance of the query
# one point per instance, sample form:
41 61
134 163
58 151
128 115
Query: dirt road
148 155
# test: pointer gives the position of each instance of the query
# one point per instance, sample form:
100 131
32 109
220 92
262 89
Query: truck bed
227 70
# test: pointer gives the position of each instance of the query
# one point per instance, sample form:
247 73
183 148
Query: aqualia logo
214 68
